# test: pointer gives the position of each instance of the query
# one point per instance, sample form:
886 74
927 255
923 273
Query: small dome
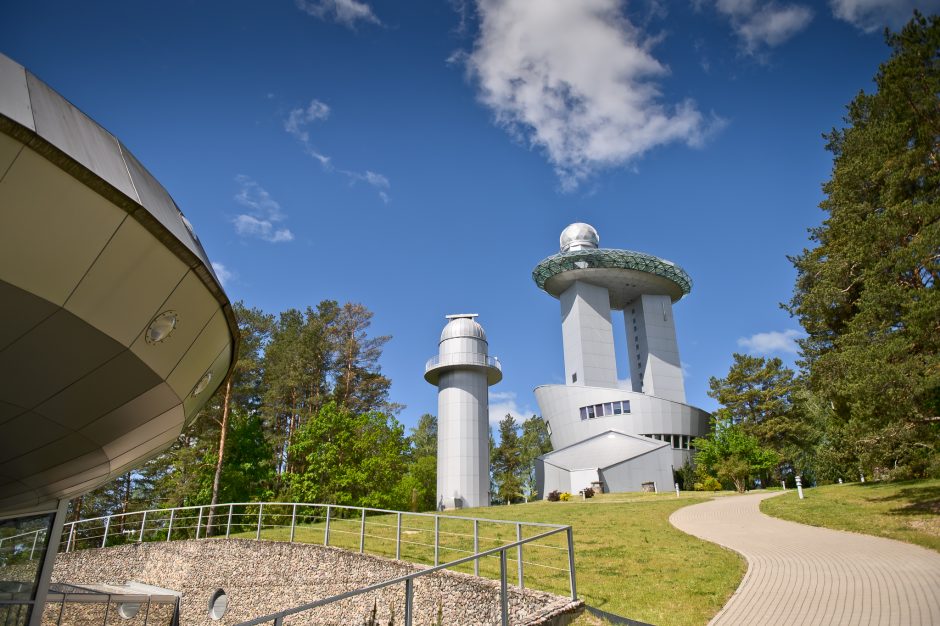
578 236
462 327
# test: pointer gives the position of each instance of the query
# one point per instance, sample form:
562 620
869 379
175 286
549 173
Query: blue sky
422 157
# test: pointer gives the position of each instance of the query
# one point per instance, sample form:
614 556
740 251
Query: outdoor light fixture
161 327
128 610
202 384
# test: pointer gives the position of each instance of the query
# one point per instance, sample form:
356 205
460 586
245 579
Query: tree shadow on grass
917 499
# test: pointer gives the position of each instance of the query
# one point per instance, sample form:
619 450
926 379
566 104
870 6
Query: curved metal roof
614 269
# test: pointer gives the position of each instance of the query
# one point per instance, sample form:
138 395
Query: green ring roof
609 258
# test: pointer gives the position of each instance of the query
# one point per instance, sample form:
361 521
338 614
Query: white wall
463 453
587 336
653 352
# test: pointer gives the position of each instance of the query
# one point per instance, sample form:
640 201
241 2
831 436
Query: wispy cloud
297 123
873 15
774 341
579 81
345 12
262 213
761 25
224 274
503 402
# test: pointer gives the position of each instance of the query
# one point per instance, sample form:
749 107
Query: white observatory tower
463 371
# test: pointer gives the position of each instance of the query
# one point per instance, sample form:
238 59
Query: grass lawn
907 511
629 560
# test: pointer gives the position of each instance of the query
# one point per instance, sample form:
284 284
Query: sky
422 157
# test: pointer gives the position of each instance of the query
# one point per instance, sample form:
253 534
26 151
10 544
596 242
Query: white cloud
223 273
760 25
576 79
345 12
503 402
774 341
873 15
296 125
263 213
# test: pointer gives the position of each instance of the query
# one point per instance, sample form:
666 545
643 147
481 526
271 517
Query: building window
603 410
590 411
584 413
574 377
548 428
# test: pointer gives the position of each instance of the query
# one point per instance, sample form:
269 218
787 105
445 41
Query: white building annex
616 435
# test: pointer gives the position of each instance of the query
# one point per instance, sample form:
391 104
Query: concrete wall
261 577
630 475
587 336
653 351
463 452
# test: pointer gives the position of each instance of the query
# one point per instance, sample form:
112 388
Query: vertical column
655 368
588 336
463 456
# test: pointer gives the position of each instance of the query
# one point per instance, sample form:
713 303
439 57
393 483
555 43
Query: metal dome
579 236
462 326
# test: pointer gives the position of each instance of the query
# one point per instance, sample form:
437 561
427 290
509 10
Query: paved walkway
800 574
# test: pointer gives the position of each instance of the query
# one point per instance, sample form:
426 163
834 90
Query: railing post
143 524
33 549
571 578
326 531
279 621
437 540
228 526
362 532
476 546
409 598
293 522
503 589
169 529
104 538
68 545
199 522
260 512
519 554
398 539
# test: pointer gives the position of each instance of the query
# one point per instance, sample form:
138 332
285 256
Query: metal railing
416 537
462 358
34 538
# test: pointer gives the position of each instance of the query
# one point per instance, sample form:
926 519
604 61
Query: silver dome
462 326
579 236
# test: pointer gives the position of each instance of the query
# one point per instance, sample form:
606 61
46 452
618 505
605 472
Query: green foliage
534 443
506 462
866 294
419 485
564 496
730 453
347 458
708 483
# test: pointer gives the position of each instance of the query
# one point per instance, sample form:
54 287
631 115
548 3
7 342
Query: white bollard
783 485
862 476
840 481
677 490
799 487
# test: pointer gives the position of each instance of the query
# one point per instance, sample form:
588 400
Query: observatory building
607 433
463 372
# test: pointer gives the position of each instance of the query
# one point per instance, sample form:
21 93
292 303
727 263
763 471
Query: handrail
279 616
462 358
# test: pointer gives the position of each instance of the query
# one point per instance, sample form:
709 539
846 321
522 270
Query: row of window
602 410
679 442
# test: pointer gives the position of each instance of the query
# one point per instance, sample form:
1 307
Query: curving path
799 574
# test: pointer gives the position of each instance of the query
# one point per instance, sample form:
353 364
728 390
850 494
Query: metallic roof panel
73 132
31 431
193 403
22 311
200 356
49 262
152 428
14 93
131 415
9 150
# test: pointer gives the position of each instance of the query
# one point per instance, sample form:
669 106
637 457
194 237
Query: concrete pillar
653 352
588 336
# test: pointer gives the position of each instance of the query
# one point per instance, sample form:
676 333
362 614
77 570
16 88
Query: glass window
626 406
590 412
617 409
584 412
685 441
574 377
675 441
548 428
609 408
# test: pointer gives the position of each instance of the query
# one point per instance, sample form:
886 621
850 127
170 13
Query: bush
564 496
554 496
588 492
709 484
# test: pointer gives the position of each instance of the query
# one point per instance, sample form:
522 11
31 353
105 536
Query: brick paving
799 574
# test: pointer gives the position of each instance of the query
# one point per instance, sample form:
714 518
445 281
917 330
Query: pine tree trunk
218 464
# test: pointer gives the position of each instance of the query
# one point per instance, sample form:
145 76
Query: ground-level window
678 442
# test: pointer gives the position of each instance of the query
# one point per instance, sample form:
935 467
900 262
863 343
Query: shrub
709 484
588 492
554 496
564 496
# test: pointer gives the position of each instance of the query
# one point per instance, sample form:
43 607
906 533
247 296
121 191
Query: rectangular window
574 377
617 409
609 408
584 413
548 429
685 441
675 441
590 412
626 406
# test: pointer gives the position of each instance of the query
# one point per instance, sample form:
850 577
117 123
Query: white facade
595 421
463 371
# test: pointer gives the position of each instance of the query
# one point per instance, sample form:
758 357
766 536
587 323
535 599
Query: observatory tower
463 371
605 432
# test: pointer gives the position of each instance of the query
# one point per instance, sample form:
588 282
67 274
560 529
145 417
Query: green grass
629 560
906 511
